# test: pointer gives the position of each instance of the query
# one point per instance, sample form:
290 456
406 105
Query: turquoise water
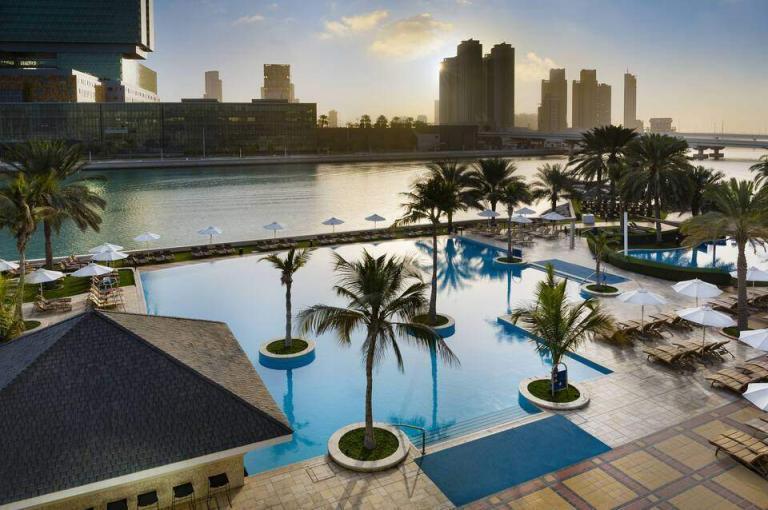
327 394
721 255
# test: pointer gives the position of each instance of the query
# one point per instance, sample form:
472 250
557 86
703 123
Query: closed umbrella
642 297
754 274
7 266
210 232
105 247
92 269
757 338
42 276
146 238
706 316
274 227
757 393
375 218
333 221
697 289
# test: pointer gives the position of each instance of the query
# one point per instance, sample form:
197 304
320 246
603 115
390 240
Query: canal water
177 202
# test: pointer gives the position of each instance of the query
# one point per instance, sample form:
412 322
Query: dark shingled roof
103 395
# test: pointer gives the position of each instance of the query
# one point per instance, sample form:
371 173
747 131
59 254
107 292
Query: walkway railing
420 429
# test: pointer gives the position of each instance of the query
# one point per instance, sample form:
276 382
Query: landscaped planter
444 330
520 262
368 466
580 402
285 361
584 288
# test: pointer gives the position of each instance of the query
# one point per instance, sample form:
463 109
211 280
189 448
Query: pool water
720 255
328 393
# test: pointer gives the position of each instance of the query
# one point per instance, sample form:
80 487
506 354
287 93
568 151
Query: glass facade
173 128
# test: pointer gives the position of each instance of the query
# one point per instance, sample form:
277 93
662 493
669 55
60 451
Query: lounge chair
745 448
670 356
760 423
42 306
732 379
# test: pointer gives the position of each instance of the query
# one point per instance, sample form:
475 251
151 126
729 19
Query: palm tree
288 265
457 178
513 194
322 121
700 178
428 200
384 294
490 177
559 325
552 183
600 244
55 165
657 172
10 325
739 211
761 166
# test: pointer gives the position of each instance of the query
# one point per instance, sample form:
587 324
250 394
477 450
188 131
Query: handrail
421 429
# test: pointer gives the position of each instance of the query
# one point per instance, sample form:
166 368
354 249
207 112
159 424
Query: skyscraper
499 77
630 101
437 112
213 86
603 104
277 83
333 119
553 110
591 101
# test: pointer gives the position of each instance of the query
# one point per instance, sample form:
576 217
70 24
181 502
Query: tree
701 178
381 122
491 176
739 211
322 121
600 244
515 193
552 183
384 294
559 325
288 265
10 325
365 121
427 200
761 166
657 172
458 181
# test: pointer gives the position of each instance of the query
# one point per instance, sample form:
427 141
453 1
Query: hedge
663 271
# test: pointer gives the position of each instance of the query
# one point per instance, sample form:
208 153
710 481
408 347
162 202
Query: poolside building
106 406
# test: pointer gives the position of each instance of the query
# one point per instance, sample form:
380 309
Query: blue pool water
720 255
328 393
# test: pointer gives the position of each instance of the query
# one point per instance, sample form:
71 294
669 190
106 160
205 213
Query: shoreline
371 157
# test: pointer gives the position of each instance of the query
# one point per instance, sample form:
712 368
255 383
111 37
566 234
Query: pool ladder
420 429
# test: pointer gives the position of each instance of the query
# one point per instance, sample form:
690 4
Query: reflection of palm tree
453 268
297 438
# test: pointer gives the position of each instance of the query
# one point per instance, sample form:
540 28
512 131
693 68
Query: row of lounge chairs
105 298
212 250
154 257
58 305
756 298
685 354
654 328
738 378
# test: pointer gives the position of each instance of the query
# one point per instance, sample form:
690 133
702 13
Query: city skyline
345 53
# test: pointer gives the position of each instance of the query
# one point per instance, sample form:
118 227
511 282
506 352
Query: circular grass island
274 354
444 325
346 447
30 325
732 332
278 346
539 392
514 261
596 289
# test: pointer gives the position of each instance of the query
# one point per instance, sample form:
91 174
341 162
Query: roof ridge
176 317
174 359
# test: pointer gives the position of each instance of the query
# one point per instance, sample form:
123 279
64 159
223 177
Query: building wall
470 90
630 101
233 466
277 82
499 69
553 110
591 101
603 105
213 86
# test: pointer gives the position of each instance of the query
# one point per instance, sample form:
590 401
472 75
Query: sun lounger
760 423
673 321
745 448
42 306
732 379
673 357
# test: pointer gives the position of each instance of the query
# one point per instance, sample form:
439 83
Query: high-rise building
630 101
213 88
333 118
478 90
421 118
553 110
43 40
661 125
277 83
591 101
437 112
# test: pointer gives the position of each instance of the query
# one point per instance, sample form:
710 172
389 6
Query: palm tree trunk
553 377
509 239
450 222
742 315
369 441
554 201
48 244
20 291
433 289
657 214
288 340
493 208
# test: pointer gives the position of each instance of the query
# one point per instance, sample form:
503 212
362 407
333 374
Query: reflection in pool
720 255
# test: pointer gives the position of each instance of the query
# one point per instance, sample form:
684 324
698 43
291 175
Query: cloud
533 67
410 37
353 24
464 2
248 20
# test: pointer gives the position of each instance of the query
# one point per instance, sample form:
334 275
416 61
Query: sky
702 62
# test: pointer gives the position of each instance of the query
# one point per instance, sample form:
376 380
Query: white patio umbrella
520 219
706 316
697 289
757 338
553 216
757 393
6 265
488 213
525 211
42 276
274 227
210 232
641 297
146 238
375 218
92 269
109 256
105 247
333 221
754 274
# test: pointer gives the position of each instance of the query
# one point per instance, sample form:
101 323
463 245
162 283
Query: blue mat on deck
488 465
581 272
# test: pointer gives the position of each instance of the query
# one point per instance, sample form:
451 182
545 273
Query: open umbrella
42 276
105 247
210 232
92 269
525 211
333 221
146 238
520 219
754 274
109 256
488 213
757 338
8 266
641 297
706 316
375 218
697 289
274 227
757 393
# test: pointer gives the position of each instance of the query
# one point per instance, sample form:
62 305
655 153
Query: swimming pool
720 255
328 393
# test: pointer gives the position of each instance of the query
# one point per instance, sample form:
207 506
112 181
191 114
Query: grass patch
70 286
733 331
440 320
351 444
28 325
507 260
278 346
542 388
602 288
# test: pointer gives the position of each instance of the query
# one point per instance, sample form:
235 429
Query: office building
499 78
277 83
421 118
553 109
591 101
333 119
661 125
527 121
437 112
630 102
44 43
213 88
